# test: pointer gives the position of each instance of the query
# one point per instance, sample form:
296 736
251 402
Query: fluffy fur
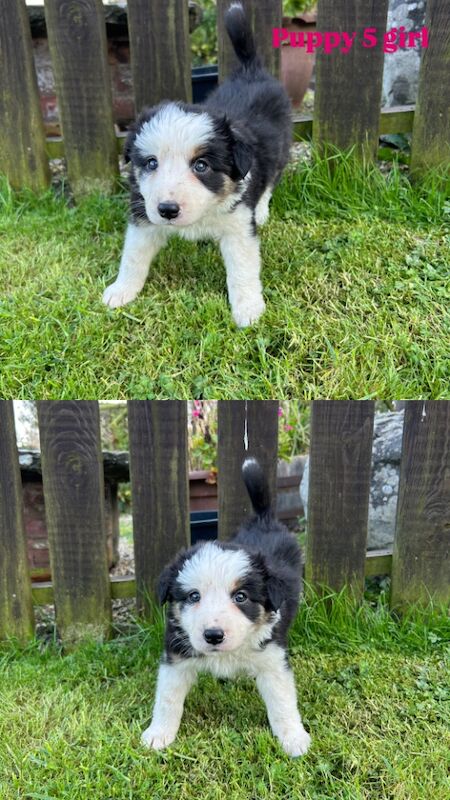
230 608
208 171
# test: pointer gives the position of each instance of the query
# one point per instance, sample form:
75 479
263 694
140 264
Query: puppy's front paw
295 743
157 738
119 294
248 311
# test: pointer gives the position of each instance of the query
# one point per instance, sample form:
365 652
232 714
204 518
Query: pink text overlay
392 40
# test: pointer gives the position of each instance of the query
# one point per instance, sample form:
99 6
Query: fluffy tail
257 487
240 33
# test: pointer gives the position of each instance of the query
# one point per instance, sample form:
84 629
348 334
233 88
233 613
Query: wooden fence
340 458
348 87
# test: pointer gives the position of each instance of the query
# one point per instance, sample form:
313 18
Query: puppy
230 608
207 172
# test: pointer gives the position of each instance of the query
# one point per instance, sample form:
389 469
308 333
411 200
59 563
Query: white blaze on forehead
213 567
173 130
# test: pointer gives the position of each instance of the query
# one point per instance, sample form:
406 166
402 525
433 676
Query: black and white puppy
230 608
208 171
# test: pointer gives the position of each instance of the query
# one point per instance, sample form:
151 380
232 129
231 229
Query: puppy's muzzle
214 635
169 210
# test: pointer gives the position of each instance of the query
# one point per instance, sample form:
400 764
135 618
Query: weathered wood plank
120 587
23 157
348 85
264 15
421 555
159 489
160 51
258 420
431 132
77 40
16 608
339 485
72 475
378 562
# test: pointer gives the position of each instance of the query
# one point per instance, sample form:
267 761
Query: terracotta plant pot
296 64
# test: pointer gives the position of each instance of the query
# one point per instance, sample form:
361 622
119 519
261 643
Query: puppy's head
185 161
222 597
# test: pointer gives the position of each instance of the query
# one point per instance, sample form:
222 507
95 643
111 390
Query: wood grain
72 475
16 609
160 51
77 40
339 486
159 489
23 157
262 431
421 555
431 131
348 85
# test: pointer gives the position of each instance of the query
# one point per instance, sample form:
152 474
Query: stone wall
401 69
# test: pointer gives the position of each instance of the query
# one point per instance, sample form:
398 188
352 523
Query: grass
356 282
373 691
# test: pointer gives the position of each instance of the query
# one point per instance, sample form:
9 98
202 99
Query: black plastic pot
203 526
204 80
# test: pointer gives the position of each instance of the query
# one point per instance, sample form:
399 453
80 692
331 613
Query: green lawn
357 284
374 694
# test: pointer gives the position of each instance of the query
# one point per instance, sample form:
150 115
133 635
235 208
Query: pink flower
288 427
280 411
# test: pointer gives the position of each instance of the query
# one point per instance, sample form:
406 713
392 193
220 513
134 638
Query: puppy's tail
257 487
241 36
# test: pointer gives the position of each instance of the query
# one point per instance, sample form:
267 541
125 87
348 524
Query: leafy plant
204 38
292 8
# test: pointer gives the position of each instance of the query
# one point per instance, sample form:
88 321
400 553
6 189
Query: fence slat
348 85
72 474
262 432
421 555
339 485
23 158
431 131
16 607
264 15
159 488
160 51
77 40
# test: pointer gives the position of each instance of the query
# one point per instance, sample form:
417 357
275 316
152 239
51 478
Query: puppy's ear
165 584
129 141
274 583
242 154
168 576
276 591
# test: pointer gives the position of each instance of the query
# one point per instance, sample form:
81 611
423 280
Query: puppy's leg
142 243
275 682
240 251
262 209
174 682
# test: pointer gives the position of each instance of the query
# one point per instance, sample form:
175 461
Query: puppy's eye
200 166
152 163
193 597
240 597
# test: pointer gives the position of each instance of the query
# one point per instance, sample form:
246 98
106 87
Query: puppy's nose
169 210
214 635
